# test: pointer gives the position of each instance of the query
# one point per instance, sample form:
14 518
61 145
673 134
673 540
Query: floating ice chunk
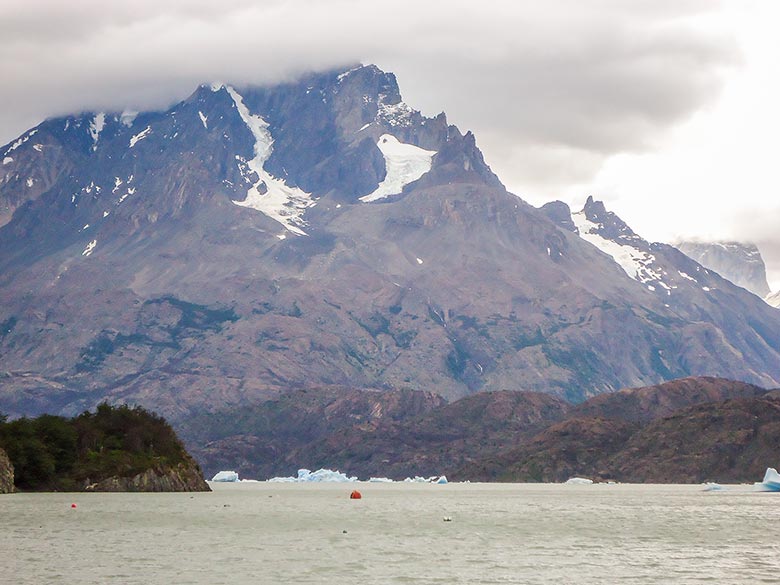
38 147
404 164
380 480
579 481
225 476
140 136
8 160
280 202
711 486
319 476
419 261
771 481
433 479
29 182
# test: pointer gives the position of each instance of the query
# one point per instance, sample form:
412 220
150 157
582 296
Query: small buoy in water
343 532
355 495
447 518
73 505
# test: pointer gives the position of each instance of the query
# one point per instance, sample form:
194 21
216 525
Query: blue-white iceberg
226 476
771 481
579 481
320 476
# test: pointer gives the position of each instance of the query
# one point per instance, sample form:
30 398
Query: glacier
280 202
404 164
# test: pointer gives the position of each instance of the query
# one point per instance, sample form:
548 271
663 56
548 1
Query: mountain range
251 243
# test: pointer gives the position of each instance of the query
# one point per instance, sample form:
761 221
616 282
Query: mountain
252 241
686 431
773 299
501 435
740 263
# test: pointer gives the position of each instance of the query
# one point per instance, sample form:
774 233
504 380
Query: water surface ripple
275 533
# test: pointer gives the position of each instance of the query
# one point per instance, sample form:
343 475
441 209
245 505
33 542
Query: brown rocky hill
491 436
274 437
722 431
641 405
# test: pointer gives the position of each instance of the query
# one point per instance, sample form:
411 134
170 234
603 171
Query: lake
265 533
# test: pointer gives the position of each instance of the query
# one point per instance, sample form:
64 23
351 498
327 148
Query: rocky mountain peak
739 262
321 232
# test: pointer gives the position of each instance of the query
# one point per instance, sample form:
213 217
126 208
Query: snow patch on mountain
20 141
394 115
140 136
128 117
90 247
404 164
278 201
774 299
7 160
96 127
203 119
636 263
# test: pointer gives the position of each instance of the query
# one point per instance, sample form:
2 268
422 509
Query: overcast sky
666 109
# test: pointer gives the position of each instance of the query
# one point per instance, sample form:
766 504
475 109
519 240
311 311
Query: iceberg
440 479
579 481
771 481
319 476
225 476
711 486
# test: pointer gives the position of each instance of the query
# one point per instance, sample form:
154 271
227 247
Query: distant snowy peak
404 163
662 269
611 235
739 262
270 195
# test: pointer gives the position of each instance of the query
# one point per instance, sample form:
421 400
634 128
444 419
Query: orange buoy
355 495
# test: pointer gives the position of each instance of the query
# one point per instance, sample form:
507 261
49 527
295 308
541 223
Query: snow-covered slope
405 163
268 194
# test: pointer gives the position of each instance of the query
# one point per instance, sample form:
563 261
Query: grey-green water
272 533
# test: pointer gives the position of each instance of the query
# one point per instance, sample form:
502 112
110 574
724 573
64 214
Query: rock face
6 474
252 241
184 477
491 436
738 262
686 431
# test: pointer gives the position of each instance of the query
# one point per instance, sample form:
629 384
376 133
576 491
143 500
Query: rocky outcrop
6 474
739 262
184 477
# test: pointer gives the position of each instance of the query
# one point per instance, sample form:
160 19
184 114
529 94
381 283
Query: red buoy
355 495
73 505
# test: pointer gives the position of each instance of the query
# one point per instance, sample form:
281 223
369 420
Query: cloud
599 76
